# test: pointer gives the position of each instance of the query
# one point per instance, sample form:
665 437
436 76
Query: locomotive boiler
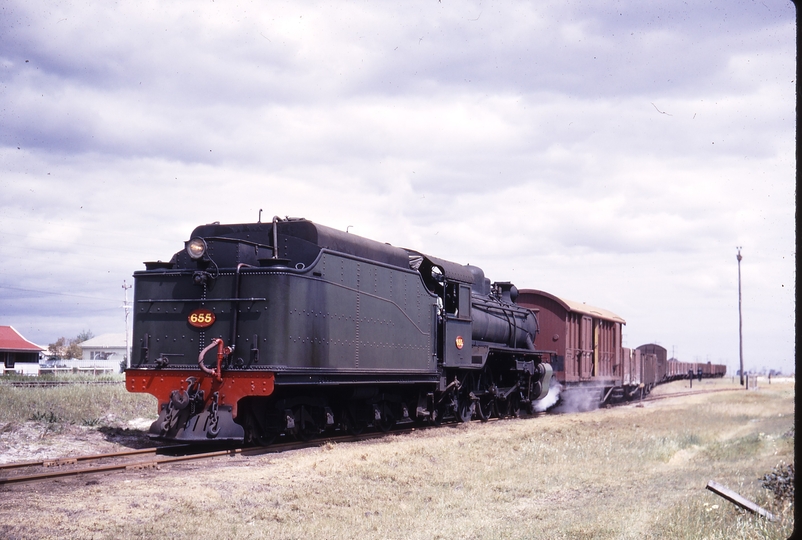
287 327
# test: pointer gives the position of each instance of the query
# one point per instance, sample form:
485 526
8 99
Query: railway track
150 458
682 394
53 384
76 465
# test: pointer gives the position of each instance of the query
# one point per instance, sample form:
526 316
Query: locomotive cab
451 283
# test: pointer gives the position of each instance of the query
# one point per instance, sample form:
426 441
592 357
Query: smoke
578 400
551 398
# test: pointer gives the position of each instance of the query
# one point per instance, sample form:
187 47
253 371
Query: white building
104 352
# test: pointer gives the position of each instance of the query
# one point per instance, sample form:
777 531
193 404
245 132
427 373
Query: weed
49 417
705 515
735 449
75 404
781 482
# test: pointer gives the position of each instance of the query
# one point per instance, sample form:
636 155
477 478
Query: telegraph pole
740 319
127 309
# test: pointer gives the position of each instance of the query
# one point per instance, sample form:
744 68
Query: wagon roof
578 307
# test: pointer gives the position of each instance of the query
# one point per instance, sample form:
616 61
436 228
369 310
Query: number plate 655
201 318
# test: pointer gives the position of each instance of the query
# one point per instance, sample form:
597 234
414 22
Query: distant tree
64 348
58 348
74 350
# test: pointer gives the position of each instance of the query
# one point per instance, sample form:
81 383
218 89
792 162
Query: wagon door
627 370
573 354
586 347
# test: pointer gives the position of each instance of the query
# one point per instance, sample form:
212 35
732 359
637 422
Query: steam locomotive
287 327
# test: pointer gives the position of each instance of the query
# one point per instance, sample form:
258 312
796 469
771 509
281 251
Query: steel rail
129 465
153 463
55 462
682 394
47 384
679 394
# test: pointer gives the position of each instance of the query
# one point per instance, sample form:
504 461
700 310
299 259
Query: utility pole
127 309
740 319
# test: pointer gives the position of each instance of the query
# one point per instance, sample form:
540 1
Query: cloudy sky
610 152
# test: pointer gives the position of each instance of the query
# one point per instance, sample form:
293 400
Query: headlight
196 248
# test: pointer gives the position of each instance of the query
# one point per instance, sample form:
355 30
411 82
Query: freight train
583 344
288 327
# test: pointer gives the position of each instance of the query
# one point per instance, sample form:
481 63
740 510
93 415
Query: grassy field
628 472
90 405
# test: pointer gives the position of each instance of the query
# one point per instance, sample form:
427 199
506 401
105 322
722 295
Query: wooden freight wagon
584 342
659 362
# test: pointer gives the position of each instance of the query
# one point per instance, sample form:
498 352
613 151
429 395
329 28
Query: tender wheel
265 439
387 421
355 428
351 422
305 426
256 433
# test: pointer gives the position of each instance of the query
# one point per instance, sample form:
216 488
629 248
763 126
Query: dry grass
631 472
81 404
729 382
44 423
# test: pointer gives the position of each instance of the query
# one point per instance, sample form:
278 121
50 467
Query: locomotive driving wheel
511 407
466 407
486 408
466 399
515 405
438 414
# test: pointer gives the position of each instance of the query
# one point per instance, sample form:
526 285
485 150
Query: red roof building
15 348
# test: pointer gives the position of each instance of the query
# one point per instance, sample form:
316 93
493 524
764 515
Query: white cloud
613 153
